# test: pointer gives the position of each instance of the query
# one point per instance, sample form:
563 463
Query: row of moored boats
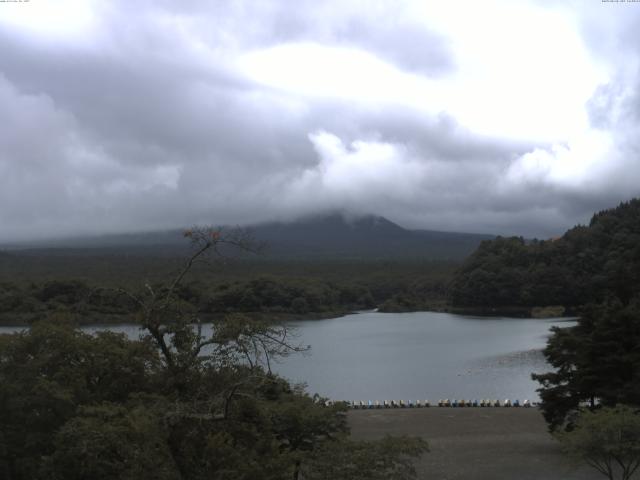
441 403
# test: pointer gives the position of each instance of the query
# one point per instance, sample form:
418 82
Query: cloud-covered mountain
334 235
368 236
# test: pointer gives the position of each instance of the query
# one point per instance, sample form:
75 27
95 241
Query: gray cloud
148 125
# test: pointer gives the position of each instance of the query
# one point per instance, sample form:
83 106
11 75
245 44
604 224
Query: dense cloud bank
133 116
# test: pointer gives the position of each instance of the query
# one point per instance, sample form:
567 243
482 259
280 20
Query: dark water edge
502 311
14 319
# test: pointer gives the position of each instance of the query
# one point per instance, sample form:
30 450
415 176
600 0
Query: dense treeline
302 289
262 294
587 264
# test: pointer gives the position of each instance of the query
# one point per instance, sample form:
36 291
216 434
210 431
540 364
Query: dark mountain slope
368 236
323 236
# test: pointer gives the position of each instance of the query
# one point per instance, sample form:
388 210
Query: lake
422 355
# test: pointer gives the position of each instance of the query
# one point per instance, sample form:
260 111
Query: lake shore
15 319
18 320
475 443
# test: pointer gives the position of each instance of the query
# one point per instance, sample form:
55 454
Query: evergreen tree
597 362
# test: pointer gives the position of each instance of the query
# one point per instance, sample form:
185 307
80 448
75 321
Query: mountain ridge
328 235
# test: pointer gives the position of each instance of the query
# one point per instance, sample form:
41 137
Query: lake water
423 355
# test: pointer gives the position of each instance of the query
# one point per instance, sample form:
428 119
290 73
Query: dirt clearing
475 443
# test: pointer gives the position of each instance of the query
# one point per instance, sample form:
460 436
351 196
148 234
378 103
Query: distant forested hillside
587 264
34 286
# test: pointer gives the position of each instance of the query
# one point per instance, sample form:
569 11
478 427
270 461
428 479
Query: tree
49 372
597 362
607 439
110 440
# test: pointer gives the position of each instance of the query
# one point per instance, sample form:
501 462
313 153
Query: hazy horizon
346 216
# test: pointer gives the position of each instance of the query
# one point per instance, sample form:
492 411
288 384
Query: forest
587 264
89 286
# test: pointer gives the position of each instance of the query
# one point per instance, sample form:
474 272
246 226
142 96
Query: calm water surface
423 355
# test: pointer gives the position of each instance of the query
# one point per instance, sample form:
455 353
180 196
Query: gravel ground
475 443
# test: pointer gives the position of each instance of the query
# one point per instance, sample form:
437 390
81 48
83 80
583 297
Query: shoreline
126 319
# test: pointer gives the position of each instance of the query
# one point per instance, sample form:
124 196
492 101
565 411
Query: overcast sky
511 117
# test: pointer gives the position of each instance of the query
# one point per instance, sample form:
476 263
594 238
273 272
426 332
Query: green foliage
65 292
587 264
48 372
176 404
607 439
112 440
259 288
381 460
596 362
